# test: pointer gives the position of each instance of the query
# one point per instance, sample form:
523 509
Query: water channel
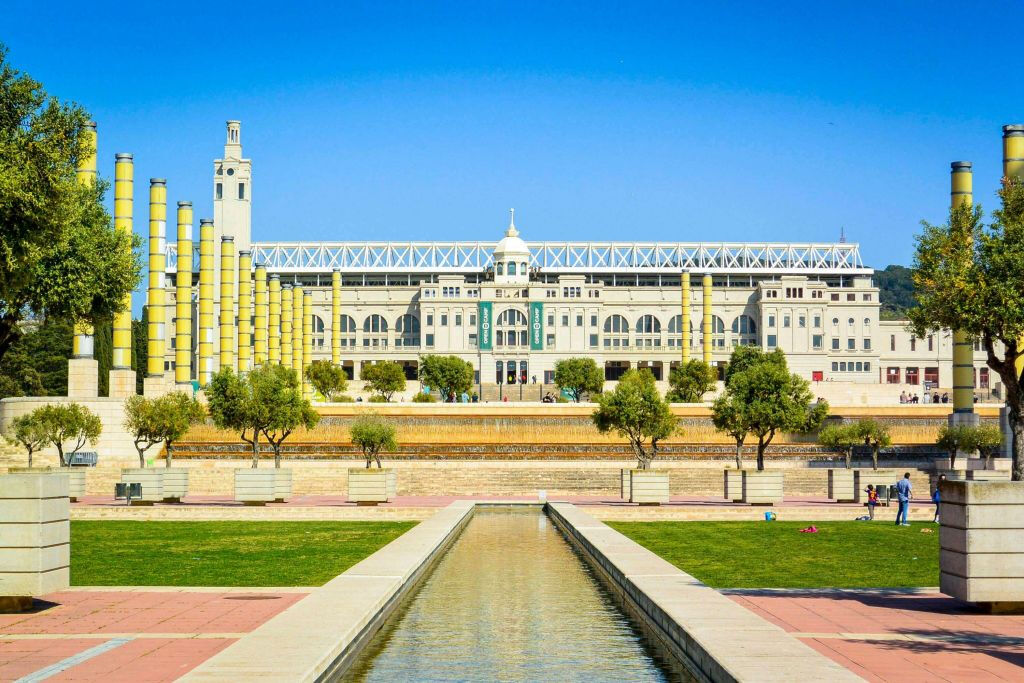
511 601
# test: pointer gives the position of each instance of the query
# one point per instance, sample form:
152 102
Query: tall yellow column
155 299
685 321
259 340
122 377
83 368
205 301
1013 168
961 189
183 299
286 325
307 339
706 325
244 311
297 341
274 320
336 317
227 302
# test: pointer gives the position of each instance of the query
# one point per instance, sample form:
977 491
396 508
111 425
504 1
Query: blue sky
607 121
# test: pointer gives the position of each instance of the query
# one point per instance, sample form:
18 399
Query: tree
327 378
970 277
895 292
175 413
140 349
578 376
728 417
63 422
384 379
690 381
841 438
450 375
636 411
278 387
59 254
744 357
955 438
373 434
36 364
234 406
987 439
28 432
874 435
141 422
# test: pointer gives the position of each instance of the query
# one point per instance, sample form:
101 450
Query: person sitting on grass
872 501
903 494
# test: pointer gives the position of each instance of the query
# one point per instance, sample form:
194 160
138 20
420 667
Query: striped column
274 320
183 298
83 344
205 301
336 317
297 341
244 311
307 340
286 325
124 184
1013 168
684 322
259 339
706 324
157 313
961 194
227 302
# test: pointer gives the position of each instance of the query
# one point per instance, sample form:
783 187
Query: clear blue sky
715 121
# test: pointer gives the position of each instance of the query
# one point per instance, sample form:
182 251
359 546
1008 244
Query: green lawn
776 555
221 553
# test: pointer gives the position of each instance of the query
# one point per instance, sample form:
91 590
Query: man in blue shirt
903 494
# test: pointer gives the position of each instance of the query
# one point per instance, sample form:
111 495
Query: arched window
499 268
347 333
717 332
318 332
523 270
675 331
648 332
744 324
616 332
408 328
511 267
375 332
511 328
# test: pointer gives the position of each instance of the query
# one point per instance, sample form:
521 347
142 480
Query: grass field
776 555
119 553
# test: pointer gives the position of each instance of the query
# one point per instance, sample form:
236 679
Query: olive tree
728 417
234 406
579 376
68 422
28 432
373 434
327 378
636 411
384 379
874 435
175 413
450 375
141 422
690 381
955 438
987 439
840 437
278 387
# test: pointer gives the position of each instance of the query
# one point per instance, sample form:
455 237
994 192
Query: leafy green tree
636 411
327 378
64 422
140 420
59 254
234 406
690 381
36 364
278 387
744 357
140 348
423 397
955 438
373 434
840 437
175 413
728 417
579 376
874 435
895 292
450 375
987 439
384 379
970 277
103 351
28 432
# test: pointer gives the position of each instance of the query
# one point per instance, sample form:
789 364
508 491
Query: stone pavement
131 634
897 635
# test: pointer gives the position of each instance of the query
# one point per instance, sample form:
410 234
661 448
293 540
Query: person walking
937 497
903 495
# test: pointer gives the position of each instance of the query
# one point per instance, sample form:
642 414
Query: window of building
772 341
511 267
842 366
430 340
850 322
892 342
565 320
616 332
892 375
851 297
867 366
472 341
867 324
817 322
550 340
802 321
551 319
407 328
220 191
835 296
771 321
241 190
648 332
931 375
835 343
931 342
511 328
593 341
867 343
785 321
835 366
851 344
347 333
912 376
549 377
593 321
458 320
913 343
444 320
817 341
860 366
744 325
499 269
675 332
579 320
375 332
983 378
430 319
867 297
472 319
318 332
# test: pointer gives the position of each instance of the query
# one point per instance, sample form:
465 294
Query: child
872 501
937 497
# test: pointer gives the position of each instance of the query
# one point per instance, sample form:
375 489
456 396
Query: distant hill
896 292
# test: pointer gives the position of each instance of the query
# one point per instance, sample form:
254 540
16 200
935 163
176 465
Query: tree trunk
1017 429
874 457
952 458
739 455
170 454
30 457
376 457
255 450
849 457
60 455
761 445
142 457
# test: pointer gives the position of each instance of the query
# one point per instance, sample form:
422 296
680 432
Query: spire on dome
512 232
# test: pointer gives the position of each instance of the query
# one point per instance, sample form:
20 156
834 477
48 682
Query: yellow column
274 320
183 298
122 378
259 343
82 343
227 302
297 331
156 310
307 339
961 189
244 311
286 325
336 317
685 321
205 301
706 325
1013 168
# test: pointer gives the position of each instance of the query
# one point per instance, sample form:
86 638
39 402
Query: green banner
536 326
485 325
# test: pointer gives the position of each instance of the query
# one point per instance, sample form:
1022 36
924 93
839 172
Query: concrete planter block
35 544
982 543
733 485
988 475
841 486
152 480
369 486
648 487
282 484
175 483
75 475
255 486
877 478
762 487
624 484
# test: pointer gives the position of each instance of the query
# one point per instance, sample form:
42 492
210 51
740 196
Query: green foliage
373 434
636 411
140 349
873 434
689 382
141 422
450 375
59 254
68 422
233 406
176 412
983 438
327 378
841 438
278 387
376 398
103 351
28 432
744 357
579 376
36 364
422 397
895 292
384 379
987 440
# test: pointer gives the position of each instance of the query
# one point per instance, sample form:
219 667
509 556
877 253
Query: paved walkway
897 635
130 634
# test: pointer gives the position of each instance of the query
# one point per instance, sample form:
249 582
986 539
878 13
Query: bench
84 459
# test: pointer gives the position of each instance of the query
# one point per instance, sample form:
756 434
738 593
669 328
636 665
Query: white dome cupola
511 259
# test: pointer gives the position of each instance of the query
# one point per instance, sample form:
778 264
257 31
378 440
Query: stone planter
762 487
369 486
841 486
734 485
255 486
75 475
152 480
175 484
624 483
35 553
988 475
282 484
981 557
878 478
648 487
